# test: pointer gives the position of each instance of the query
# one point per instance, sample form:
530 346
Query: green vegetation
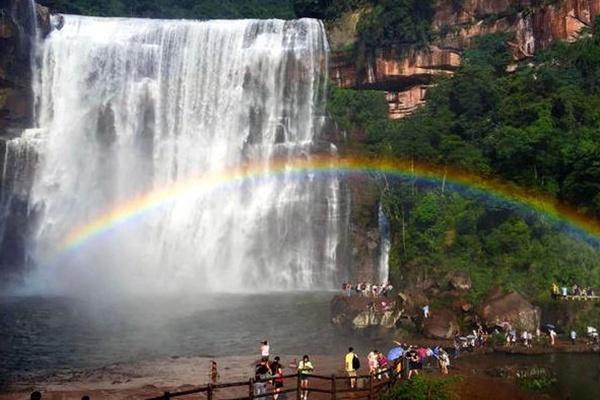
538 127
194 9
421 387
384 24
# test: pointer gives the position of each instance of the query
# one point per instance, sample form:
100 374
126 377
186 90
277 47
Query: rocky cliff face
21 21
21 24
531 25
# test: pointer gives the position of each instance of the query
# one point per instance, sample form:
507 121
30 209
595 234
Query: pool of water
41 333
577 375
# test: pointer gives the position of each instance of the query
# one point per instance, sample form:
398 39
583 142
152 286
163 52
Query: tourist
375 290
351 365
304 369
563 291
552 335
525 338
35 396
383 363
456 346
592 334
573 336
414 363
349 289
425 309
373 364
262 374
277 371
264 349
443 361
213 373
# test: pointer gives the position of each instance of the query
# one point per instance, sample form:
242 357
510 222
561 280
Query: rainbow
138 206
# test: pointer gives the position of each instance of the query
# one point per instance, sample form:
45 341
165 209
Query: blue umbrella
395 353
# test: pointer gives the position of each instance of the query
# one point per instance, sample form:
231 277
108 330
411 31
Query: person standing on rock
425 311
350 365
552 335
573 336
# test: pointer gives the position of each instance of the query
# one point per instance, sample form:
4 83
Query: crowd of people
367 289
480 337
575 290
401 361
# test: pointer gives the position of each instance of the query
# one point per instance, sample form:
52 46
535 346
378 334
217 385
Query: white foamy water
127 106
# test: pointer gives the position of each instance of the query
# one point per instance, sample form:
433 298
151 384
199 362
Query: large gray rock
442 324
359 312
512 308
385 319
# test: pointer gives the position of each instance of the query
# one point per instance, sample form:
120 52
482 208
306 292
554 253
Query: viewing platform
572 297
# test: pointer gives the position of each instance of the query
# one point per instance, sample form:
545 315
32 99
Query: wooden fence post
209 392
298 388
333 387
371 387
251 388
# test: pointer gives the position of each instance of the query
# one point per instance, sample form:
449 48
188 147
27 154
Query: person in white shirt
552 334
264 349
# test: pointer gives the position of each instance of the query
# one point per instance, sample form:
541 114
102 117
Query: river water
41 334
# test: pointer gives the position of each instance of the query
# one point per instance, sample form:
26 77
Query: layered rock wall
20 24
530 25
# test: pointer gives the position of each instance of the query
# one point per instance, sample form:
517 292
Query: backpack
355 362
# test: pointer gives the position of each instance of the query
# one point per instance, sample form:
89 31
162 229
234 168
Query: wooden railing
578 297
324 385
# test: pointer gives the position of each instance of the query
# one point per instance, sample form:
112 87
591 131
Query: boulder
459 280
442 324
412 300
358 312
512 308
385 319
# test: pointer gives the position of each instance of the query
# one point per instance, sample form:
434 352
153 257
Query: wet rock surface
511 308
442 324
361 312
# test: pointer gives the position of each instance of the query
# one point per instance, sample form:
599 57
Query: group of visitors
574 290
267 372
367 289
403 360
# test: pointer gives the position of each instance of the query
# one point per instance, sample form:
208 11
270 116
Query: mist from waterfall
127 106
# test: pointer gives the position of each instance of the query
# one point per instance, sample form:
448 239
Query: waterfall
383 271
127 106
18 157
